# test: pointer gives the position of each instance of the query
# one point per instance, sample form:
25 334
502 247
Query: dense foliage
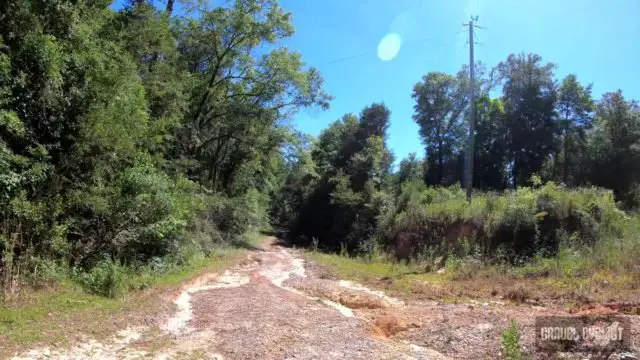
130 137
125 134
539 131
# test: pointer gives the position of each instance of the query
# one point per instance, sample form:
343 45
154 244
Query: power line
345 59
370 53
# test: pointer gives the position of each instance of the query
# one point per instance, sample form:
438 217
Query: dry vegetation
603 274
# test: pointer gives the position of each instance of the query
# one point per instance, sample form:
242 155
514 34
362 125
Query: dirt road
271 307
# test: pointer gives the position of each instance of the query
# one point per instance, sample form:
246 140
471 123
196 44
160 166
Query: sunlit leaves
440 103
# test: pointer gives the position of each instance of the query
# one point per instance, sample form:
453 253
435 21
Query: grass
356 268
607 271
35 316
597 261
55 315
398 277
221 258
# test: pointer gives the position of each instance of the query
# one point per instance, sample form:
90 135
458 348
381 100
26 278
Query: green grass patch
356 268
220 258
46 316
55 314
402 275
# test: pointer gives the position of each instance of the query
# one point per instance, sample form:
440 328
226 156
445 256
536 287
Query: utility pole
472 113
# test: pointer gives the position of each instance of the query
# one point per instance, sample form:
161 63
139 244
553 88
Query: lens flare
389 46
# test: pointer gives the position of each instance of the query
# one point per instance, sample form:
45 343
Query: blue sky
599 40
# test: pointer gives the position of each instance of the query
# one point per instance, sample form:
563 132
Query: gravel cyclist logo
585 333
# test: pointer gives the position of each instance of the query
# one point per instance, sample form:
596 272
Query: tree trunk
169 9
565 175
440 162
514 172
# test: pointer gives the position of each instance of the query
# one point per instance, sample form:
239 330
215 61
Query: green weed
511 343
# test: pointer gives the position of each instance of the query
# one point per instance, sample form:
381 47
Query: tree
300 177
440 101
353 164
575 108
529 98
78 114
146 34
411 168
618 118
239 98
491 145
368 156
104 113
330 150
613 147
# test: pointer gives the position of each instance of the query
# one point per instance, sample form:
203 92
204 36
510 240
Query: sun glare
389 46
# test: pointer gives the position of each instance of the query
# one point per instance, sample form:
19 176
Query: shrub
203 234
106 278
519 223
141 215
45 271
518 294
464 269
228 216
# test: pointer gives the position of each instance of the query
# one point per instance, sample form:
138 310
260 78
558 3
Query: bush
519 224
227 218
106 278
44 271
140 216
464 269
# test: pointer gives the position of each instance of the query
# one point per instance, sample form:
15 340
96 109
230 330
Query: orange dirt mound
389 324
609 308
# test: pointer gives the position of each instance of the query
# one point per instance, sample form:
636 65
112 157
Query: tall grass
593 254
612 259
518 223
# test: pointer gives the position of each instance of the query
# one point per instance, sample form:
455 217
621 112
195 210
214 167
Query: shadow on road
242 243
281 235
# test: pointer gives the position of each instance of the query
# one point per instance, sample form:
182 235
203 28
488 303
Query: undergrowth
86 302
604 270
512 226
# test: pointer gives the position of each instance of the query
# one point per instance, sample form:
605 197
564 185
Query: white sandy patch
345 311
178 322
282 271
92 349
298 268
